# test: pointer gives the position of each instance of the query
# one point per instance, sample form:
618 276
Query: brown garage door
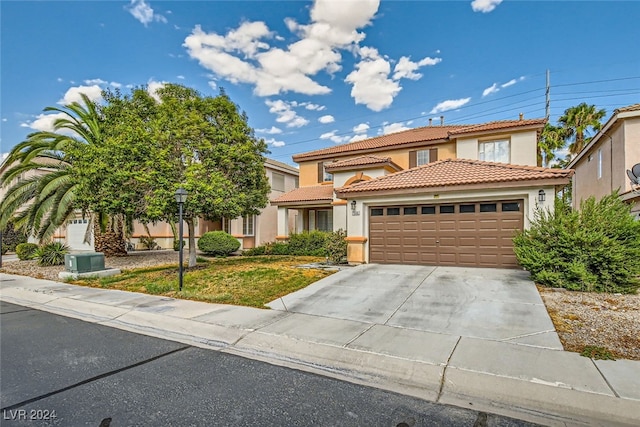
462 234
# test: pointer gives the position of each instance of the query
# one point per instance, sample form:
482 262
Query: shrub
176 244
272 248
26 251
149 243
218 243
52 254
593 249
12 238
336 246
310 243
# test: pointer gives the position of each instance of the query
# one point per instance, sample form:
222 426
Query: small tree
11 238
594 249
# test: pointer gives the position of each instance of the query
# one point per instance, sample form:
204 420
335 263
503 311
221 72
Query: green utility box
84 263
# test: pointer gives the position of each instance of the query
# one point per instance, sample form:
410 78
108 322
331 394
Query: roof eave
306 203
544 182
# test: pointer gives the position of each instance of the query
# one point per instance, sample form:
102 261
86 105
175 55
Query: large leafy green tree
578 121
176 137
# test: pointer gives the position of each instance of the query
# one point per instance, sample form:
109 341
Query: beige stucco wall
620 147
523 147
358 225
309 170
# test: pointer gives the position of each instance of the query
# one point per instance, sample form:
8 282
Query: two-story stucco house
600 168
437 195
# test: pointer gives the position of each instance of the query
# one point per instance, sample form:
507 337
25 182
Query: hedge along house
400 203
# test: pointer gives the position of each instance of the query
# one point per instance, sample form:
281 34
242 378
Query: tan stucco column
283 223
356 249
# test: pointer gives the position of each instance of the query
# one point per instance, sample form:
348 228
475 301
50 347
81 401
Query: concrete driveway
485 303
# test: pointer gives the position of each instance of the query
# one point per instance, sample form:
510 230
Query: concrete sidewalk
538 384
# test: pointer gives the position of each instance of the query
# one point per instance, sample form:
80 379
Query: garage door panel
437 236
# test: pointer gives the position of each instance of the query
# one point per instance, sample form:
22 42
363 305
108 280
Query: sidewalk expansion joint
444 371
359 335
615 393
92 379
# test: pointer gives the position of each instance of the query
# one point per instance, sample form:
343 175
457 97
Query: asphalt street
62 371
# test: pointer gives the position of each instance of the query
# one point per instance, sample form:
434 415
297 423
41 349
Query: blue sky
313 74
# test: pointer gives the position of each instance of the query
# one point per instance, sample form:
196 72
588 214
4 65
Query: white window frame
280 180
483 152
599 163
249 225
326 176
422 157
226 225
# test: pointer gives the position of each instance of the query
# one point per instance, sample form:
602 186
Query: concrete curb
499 377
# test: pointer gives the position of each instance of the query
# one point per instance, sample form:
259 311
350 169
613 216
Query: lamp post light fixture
541 196
353 205
181 198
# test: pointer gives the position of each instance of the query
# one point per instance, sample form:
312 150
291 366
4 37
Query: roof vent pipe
441 120
430 122
521 116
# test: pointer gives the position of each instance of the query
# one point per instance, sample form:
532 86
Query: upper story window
422 157
277 181
494 151
323 175
226 225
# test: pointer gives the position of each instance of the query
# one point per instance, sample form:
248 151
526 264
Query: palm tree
552 138
46 200
577 120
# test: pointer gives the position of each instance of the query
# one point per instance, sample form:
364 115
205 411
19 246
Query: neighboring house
253 230
437 195
600 168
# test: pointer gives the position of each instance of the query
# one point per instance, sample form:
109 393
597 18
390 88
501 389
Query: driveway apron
485 303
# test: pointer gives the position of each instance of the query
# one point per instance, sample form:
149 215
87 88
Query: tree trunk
192 242
111 241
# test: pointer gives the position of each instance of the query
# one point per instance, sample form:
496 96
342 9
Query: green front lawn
249 281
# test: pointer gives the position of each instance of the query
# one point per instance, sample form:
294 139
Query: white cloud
450 104
491 89
314 107
4 119
392 128
92 82
59 79
327 119
4 156
286 114
181 77
405 68
359 137
484 6
509 83
371 83
116 84
275 143
44 122
273 131
152 88
361 128
144 13
73 94
338 139
213 85
242 55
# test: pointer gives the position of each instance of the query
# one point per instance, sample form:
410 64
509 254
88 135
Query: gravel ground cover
607 321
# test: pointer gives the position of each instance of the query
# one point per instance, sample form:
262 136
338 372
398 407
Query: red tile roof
429 133
367 160
500 125
634 107
432 134
317 193
456 172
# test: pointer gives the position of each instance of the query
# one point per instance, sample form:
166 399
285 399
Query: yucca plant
52 254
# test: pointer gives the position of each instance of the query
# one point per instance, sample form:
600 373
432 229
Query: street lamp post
181 198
